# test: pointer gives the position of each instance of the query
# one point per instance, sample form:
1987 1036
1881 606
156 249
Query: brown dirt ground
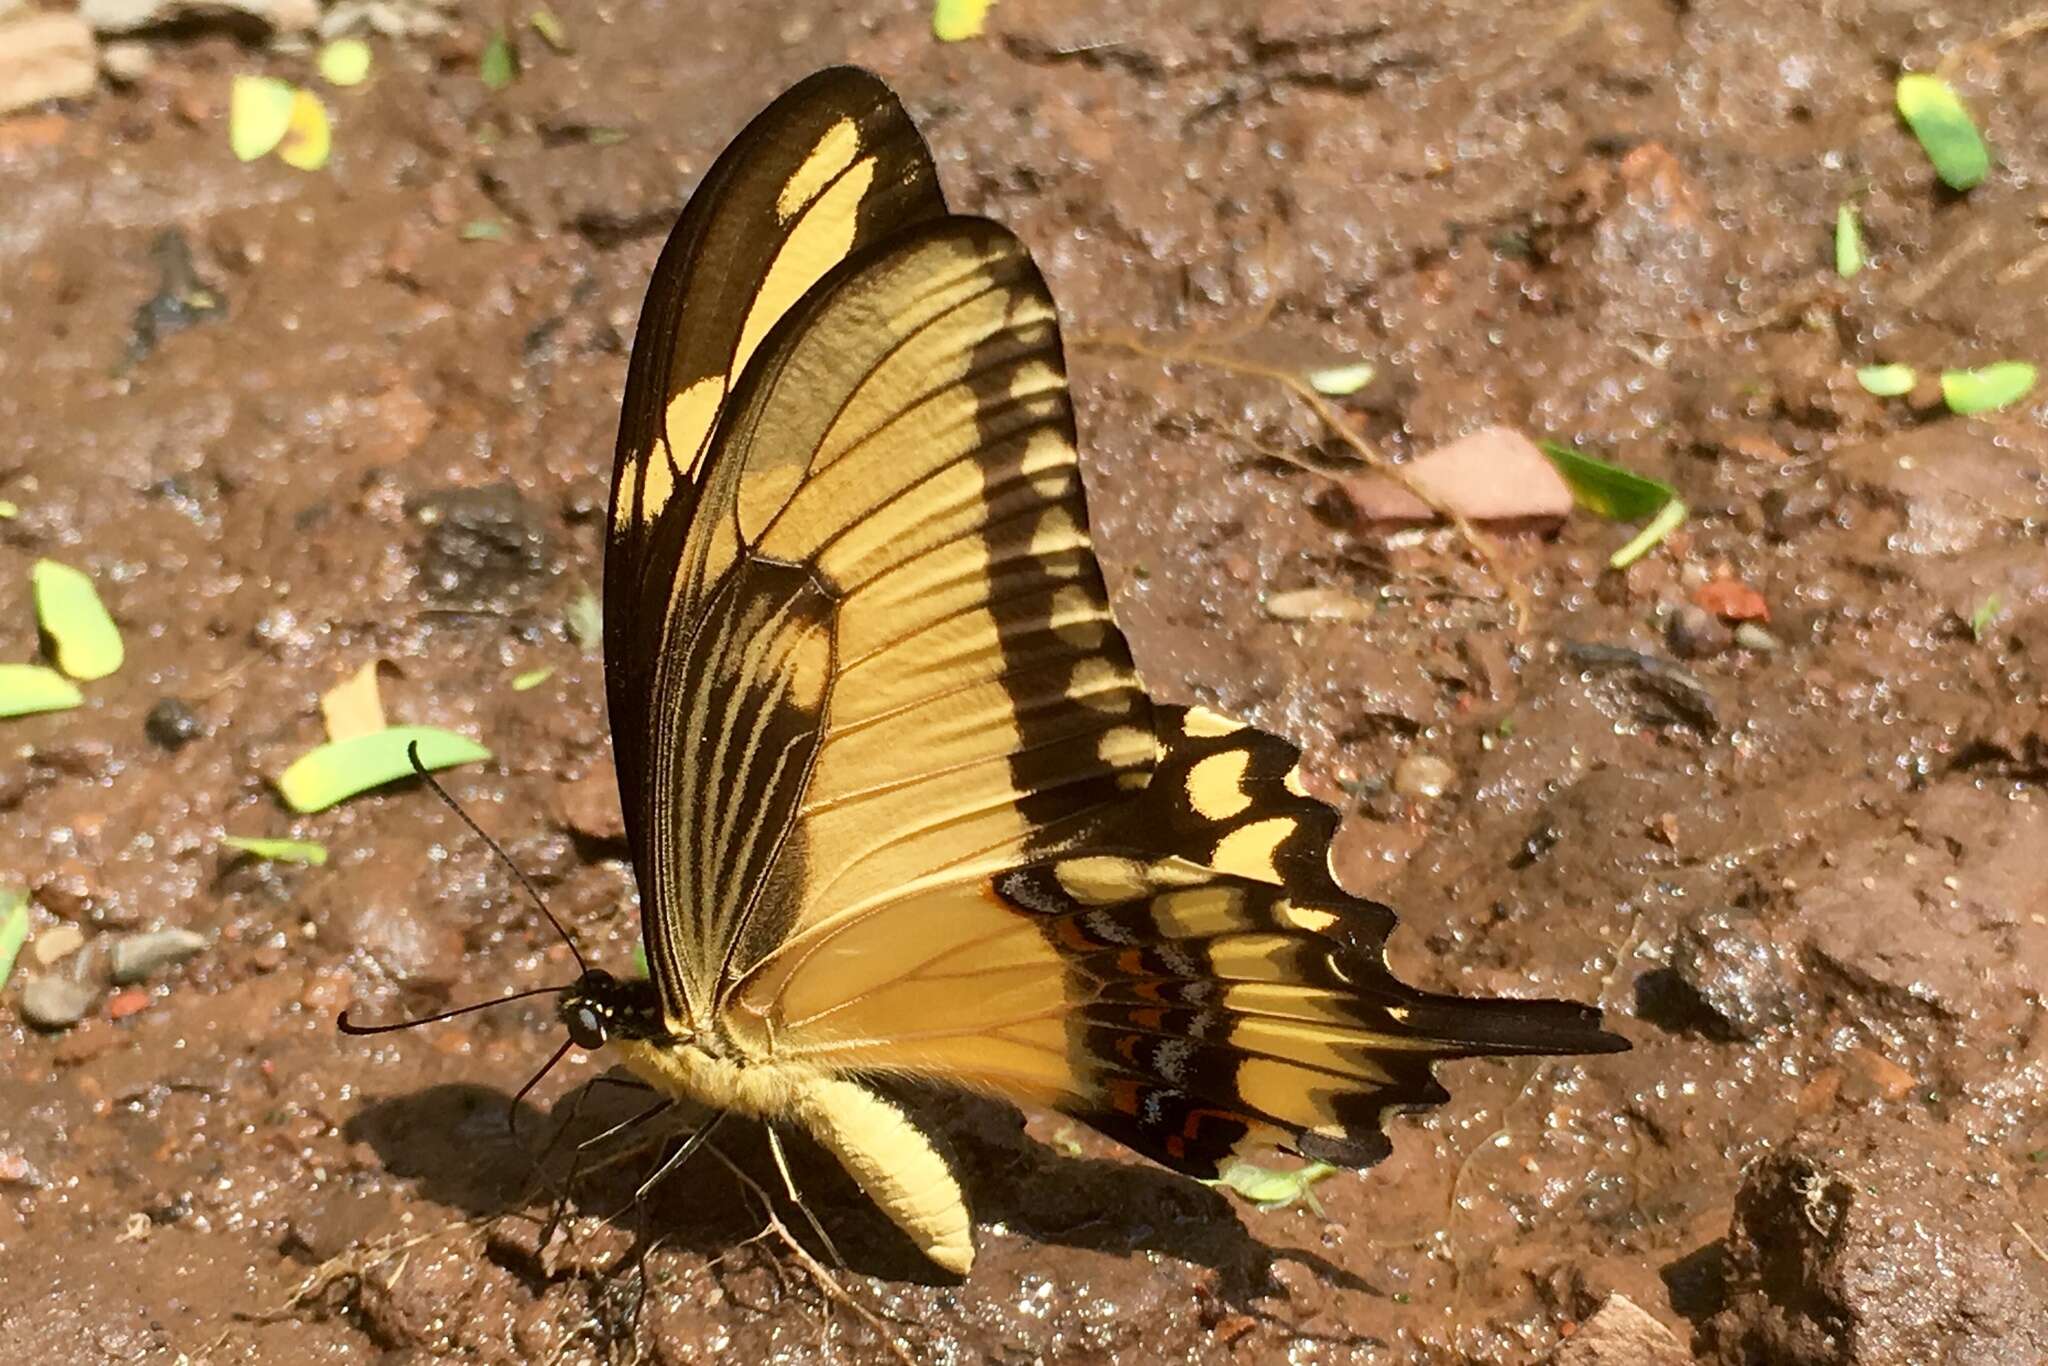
1806 883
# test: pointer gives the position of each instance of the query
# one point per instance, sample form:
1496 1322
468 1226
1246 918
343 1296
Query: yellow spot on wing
833 154
690 415
1248 850
1102 881
816 243
1203 723
1216 785
659 483
1306 917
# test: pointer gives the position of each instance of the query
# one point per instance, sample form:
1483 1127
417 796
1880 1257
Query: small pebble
172 724
1696 633
55 1002
136 956
55 943
1751 636
1423 775
126 1002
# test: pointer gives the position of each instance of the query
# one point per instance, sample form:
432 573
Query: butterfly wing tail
1229 994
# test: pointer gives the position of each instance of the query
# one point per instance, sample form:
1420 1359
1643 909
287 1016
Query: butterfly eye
587 1028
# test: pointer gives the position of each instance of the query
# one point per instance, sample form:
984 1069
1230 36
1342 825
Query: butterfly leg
681 1155
789 1184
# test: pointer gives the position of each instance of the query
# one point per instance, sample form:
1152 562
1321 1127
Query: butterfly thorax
706 1066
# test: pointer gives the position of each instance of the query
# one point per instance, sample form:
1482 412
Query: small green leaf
585 620
335 772
1848 242
88 644
13 928
500 63
1271 1190
8 511
640 958
482 230
1937 117
345 62
29 688
1887 381
1608 490
279 851
550 29
531 679
1988 389
1982 619
1340 381
259 112
954 21
1648 539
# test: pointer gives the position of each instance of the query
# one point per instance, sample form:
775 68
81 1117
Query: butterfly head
599 1007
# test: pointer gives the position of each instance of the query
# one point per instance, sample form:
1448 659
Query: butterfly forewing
941 694
832 166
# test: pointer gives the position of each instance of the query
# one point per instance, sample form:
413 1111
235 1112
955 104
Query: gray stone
55 1002
136 956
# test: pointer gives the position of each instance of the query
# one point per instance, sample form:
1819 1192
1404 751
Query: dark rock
1695 633
485 549
1875 1240
182 299
1733 971
172 724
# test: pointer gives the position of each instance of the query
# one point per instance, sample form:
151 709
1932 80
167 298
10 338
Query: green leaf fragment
259 112
482 230
87 643
8 511
1936 115
1848 242
531 679
640 958
585 621
13 928
1982 619
1339 381
29 688
1608 490
1887 381
278 851
1988 389
954 21
550 29
345 62
500 64
1273 1190
337 771
309 137
1651 536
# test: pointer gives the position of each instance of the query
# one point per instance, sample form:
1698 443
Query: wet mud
294 421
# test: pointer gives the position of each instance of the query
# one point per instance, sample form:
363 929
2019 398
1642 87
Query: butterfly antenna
349 1027
412 754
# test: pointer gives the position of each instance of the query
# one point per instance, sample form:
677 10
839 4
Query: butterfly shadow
455 1142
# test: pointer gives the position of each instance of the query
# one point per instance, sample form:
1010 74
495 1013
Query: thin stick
825 1280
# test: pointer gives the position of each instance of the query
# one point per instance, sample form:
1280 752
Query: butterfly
897 803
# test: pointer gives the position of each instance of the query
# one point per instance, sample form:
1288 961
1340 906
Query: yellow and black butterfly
897 802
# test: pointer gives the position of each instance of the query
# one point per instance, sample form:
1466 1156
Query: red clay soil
1803 871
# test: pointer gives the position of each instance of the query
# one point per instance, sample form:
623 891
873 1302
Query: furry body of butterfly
898 803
